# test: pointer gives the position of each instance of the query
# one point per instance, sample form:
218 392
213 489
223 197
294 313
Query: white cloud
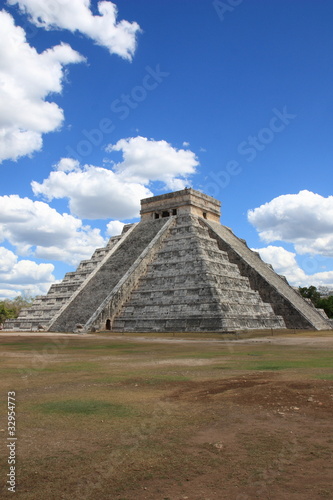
284 262
6 293
304 219
100 193
35 228
114 228
75 15
67 165
149 160
94 193
7 260
26 80
24 276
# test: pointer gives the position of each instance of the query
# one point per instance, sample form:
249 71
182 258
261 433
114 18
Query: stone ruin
178 269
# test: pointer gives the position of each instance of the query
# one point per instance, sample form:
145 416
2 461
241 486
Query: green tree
326 303
4 313
311 293
10 309
318 301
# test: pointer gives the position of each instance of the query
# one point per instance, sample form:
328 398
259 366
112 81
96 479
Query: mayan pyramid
178 269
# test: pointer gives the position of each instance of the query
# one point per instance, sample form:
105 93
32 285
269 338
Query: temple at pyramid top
187 201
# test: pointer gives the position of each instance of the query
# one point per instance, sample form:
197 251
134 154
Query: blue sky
102 104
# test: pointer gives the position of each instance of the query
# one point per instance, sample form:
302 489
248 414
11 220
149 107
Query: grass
85 407
325 376
86 366
295 358
320 361
102 347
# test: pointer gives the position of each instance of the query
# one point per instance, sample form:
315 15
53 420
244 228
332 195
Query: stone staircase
191 285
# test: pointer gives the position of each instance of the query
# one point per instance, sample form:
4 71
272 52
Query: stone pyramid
178 269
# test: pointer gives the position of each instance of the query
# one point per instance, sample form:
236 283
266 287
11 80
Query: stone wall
187 201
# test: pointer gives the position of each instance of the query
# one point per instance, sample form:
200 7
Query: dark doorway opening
165 214
108 324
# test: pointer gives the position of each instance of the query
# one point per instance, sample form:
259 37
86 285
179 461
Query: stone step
194 266
195 309
195 292
213 324
190 276
63 288
22 325
192 251
185 239
190 279
203 302
80 274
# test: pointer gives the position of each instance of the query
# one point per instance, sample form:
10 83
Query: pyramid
178 269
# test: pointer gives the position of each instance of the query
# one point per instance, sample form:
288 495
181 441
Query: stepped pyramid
178 269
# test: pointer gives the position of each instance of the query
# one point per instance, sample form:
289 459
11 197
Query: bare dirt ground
268 439
315 339
197 419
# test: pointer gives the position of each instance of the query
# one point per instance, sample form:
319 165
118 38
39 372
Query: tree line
322 302
10 308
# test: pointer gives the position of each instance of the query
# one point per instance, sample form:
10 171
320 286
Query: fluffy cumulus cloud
304 219
284 262
94 192
147 160
23 276
114 228
26 80
38 230
68 165
75 15
97 192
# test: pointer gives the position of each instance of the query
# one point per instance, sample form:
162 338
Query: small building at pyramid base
177 270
